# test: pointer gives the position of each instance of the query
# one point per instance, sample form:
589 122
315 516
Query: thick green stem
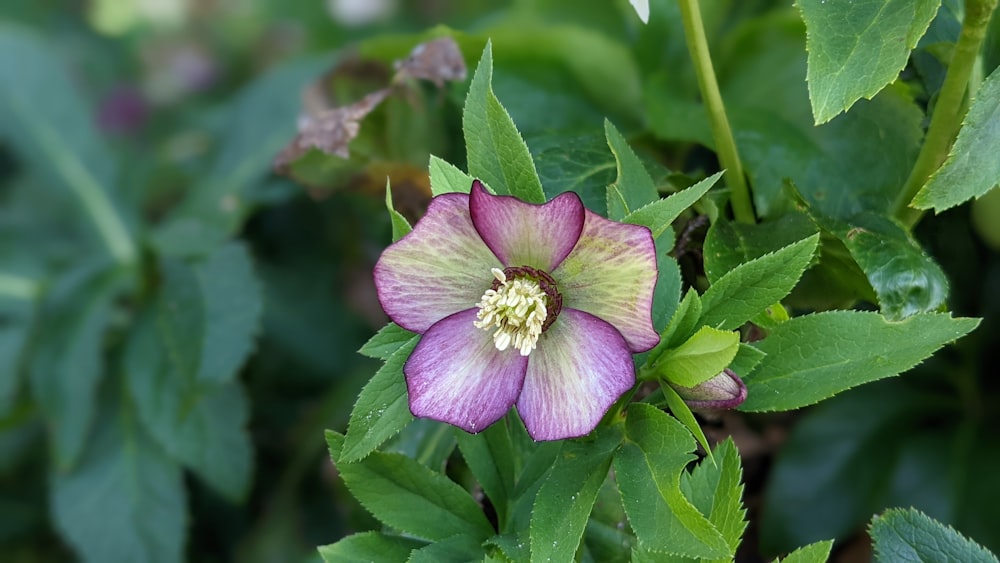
694 31
949 110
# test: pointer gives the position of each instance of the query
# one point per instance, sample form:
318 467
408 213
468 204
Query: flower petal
580 368
526 234
456 374
611 273
440 268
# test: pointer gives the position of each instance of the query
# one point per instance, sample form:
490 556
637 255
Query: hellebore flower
724 391
538 306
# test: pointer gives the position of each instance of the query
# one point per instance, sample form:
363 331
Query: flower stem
694 32
949 110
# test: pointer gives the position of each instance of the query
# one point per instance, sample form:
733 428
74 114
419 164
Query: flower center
522 303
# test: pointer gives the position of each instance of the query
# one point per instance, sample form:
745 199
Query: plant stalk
694 32
949 110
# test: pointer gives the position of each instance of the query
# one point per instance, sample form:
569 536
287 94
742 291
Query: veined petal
581 367
440 268
526 234
611 273
457 375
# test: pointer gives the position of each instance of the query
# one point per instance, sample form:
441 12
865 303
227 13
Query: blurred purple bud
724 391
122 111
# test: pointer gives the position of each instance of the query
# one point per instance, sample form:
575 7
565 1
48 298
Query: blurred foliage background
178 109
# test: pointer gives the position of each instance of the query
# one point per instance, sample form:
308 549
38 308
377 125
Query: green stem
949 110
694 32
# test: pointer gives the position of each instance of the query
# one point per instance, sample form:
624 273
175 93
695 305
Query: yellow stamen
516 308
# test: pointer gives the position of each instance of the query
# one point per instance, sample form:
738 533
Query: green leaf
682 323
578 163
16 319
369 546
428 441
410 497
699 358
906 280
400 226
634 184
857 48
43 119
125 500
813 357
446 178
456 549
382 408
495 150
911 535
682 412
659 214
68 363
261 121
649 468
818 552
490 456
386 341
206 431
729 243
716 490
746 359
209 313
753 286
566 498
972 168
839 456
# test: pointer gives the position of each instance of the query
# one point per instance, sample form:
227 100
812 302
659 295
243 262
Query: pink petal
456 374
526 234
581 367
440 268
611 273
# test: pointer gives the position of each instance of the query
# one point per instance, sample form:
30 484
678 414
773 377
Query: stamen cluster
516 308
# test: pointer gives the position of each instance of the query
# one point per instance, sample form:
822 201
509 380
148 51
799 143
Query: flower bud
724 391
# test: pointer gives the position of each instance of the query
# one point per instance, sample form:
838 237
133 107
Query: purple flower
538 306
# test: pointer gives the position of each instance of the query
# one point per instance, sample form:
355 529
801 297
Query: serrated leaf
699 358
382 408
753 286
386 341
578 163
125 500
648 468
729 243
410 497
209 313
68 362
43 119
682 323
566 498
204 430
818 552
813 357
659 214
496 152
972 167
634 184
457 549
716 490
911 535
906 280
400 226
490 456
366 547
746 359
857 48
446 178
